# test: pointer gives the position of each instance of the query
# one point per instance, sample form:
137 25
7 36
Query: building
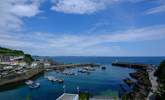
34 64
22 63
46 64
11 60
66 96
4 59
8 67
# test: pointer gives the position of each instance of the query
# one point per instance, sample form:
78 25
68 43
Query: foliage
28 97
9 52
160 73
83 96
28 58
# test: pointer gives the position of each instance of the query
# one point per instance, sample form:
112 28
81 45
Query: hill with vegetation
9 52
160 73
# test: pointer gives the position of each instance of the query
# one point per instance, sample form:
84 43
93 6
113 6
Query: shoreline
142 88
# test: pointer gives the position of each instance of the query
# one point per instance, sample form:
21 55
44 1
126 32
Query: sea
98 83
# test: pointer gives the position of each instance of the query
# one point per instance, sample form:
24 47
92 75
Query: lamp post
64 88
78 89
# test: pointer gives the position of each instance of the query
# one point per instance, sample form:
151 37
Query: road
153 81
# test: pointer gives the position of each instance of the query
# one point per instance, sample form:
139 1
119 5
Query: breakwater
130 65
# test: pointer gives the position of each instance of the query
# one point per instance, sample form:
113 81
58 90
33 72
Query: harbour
99 83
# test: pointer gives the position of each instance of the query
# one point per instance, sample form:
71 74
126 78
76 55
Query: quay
14 78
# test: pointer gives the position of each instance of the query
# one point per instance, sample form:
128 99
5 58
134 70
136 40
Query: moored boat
53 79
32 84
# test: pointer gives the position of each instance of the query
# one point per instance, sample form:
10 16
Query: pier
58 67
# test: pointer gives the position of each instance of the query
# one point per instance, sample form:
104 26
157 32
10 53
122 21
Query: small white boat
32 84
51 78
29 82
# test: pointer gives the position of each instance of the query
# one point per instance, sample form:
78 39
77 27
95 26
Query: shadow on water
17 85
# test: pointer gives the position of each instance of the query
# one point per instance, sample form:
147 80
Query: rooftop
66 96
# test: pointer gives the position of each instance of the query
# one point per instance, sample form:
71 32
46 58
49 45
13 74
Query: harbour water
97 83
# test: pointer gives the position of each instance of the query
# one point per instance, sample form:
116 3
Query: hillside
10 52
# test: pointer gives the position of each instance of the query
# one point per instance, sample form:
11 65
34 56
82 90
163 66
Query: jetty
59 67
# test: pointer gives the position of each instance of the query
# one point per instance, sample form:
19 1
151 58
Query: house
4 59
22 63
8 67
11 60
34 64
66 96
47 64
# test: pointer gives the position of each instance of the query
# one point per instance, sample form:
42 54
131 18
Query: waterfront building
22 63
67 96
8 67
34 64
46 64
4 59
11 60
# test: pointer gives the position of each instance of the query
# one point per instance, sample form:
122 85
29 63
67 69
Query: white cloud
81 6
157 9
51 44
84 6
11 12
26 10
78 6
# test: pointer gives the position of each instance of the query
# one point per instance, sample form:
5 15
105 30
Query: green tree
160 73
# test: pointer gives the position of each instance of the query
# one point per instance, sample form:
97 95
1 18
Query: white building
34 64
47 64
8 67
66 96
22 63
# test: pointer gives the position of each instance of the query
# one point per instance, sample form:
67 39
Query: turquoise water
100 82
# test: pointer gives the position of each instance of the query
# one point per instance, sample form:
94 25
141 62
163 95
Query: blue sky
84 27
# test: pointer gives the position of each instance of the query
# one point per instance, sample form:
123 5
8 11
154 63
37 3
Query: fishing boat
53 79
69 73
83 71
89 68
32 84
103 68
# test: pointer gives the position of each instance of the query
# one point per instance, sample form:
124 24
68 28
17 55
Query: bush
28 59
83 96
160 73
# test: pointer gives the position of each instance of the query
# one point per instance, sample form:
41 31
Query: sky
84 27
